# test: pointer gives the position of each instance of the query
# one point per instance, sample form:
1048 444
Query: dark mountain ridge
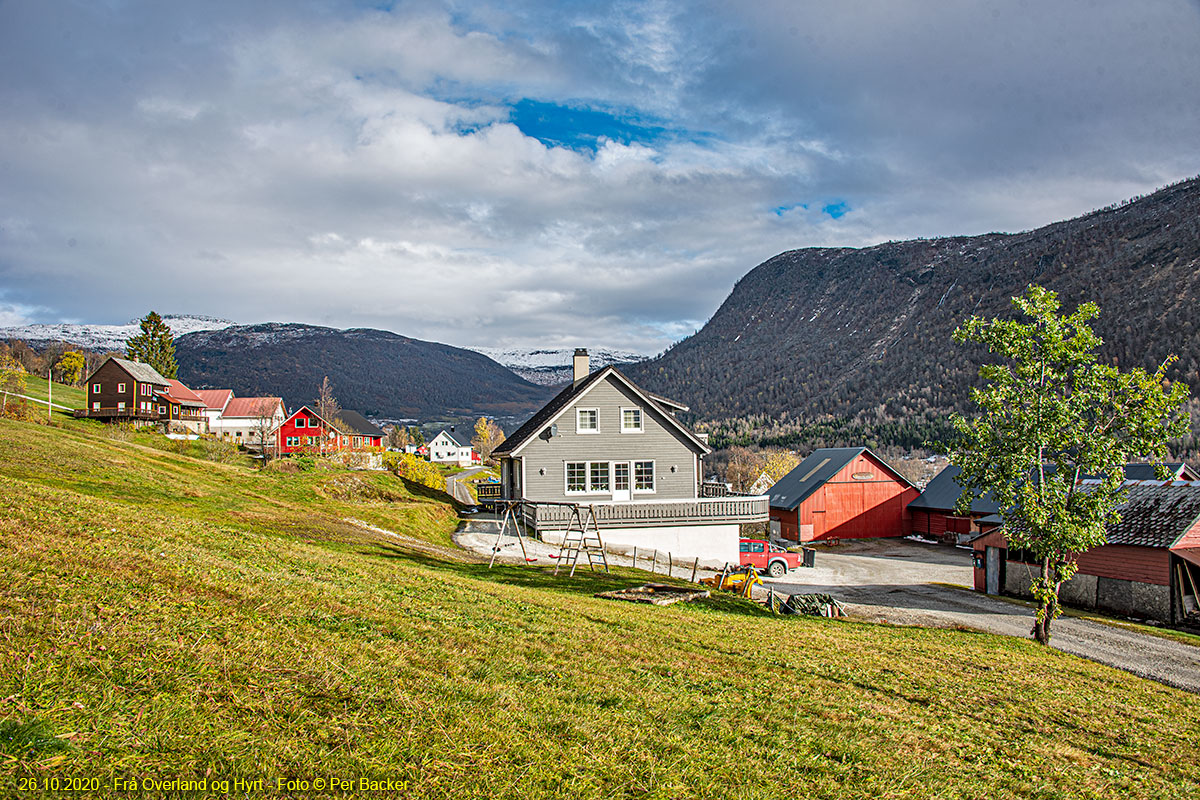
378 373
858 339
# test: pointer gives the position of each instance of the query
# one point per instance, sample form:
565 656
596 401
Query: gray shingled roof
140 371
457 437
1155 513
794 488
943 491
358 423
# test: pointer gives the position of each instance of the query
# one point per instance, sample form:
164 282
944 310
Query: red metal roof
252 406
181 392
215 399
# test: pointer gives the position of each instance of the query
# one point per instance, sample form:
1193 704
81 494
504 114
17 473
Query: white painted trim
641 420
633 475
587 431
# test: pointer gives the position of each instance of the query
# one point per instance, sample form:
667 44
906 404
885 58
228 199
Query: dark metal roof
358 424
140 371
943 491
794 488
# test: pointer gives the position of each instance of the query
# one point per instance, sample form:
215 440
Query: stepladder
582 536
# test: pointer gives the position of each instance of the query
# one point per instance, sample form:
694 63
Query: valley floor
167 617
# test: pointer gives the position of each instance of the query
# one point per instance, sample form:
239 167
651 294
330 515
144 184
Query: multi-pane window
121 405
96 406
598 476
312 441
621 476
576 476
587 420
293 441
643 476
631 420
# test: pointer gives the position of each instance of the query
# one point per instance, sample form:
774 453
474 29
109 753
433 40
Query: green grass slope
167 617
69 396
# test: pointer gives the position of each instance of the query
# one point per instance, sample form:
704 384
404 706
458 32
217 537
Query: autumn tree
488 436
743 468
155 345
261 436
1047 401
70 367
12 374
398 437
777 463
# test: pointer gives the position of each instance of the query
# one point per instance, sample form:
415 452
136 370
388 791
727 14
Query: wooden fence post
670 564
654 567
695 566
635 556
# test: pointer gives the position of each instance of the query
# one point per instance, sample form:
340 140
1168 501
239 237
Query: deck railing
647 514
111 413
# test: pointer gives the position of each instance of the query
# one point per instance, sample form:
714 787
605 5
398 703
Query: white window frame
633 477
121 405
301 422
293 441
589 487
579 414
120 388
96 405
96 388
641 416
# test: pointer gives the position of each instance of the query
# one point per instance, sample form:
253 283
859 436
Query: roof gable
137 370
550 413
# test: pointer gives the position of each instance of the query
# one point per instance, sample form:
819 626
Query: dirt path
896 582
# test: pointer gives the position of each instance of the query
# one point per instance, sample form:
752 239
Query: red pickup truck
764 555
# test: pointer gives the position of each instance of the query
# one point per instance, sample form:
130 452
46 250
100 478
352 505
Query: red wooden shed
842 493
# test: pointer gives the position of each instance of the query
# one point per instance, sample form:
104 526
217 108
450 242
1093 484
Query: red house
841 493
306 432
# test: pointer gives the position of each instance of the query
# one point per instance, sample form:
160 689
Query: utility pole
49 392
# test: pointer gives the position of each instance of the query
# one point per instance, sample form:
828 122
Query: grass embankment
69 396
162 616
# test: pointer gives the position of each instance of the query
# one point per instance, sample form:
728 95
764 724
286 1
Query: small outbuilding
841 493
1148 569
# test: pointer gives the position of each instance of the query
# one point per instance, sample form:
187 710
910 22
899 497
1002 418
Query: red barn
1149 568
842 493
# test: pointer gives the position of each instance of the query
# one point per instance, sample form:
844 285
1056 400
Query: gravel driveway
895 581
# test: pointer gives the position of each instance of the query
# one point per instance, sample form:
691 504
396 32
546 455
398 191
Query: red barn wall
1127 563
849 508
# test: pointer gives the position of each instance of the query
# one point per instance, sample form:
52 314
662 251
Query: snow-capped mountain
104 338
552 367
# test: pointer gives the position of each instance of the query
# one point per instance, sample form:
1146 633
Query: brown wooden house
120 390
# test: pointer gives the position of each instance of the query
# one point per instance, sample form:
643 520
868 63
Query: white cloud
355 167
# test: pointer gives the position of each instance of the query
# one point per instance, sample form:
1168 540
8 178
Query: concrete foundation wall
714 545
1124 598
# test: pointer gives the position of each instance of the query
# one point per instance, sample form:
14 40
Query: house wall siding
659 443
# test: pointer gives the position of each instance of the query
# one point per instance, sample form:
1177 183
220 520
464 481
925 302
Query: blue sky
534 173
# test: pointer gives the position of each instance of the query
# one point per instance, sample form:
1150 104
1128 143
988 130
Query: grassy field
69 396
166 617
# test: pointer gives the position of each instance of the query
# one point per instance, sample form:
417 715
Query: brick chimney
580 364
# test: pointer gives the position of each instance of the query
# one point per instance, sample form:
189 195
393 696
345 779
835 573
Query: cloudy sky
548 173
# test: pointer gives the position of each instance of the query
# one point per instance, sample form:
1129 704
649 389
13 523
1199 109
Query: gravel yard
897 581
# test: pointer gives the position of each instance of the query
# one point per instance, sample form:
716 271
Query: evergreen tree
155 346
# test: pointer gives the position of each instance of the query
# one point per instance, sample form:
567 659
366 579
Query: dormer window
587 420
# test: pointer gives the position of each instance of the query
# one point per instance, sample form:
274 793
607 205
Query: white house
450 448
249 421
215 403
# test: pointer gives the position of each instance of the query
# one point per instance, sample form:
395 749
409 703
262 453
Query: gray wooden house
605 442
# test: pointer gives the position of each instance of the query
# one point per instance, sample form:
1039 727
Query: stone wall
1124 598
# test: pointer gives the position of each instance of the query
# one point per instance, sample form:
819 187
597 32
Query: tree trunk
1048 598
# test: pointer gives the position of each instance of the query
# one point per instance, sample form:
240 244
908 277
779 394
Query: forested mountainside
381 374
841 345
